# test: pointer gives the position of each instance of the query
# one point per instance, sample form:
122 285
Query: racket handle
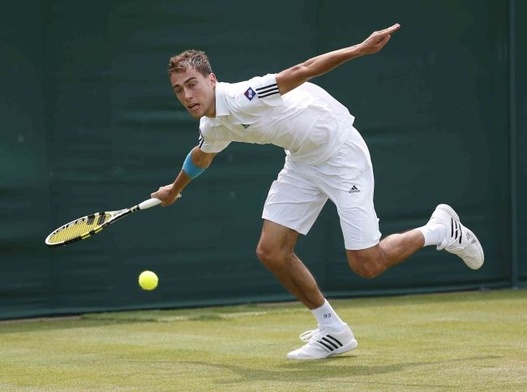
149 203
152 203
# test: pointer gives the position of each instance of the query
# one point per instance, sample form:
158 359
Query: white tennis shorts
298 195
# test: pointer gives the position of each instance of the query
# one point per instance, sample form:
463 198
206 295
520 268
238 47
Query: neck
212 111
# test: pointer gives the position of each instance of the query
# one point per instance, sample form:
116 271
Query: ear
213 79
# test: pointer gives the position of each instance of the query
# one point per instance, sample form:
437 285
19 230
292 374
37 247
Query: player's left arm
293 77
195 163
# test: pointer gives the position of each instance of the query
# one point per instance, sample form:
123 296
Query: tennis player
326 158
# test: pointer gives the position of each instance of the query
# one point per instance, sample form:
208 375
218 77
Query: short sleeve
209 144
257 92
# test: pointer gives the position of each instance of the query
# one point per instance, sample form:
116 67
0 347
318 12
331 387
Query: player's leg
276 251
367 255
291 208
444 230
373 261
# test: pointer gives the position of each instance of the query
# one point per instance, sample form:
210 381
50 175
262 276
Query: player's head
190 59
193 82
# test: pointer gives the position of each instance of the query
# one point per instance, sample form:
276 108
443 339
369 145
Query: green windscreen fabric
90 123
25 200
519 145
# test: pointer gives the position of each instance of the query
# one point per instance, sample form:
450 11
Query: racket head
79 229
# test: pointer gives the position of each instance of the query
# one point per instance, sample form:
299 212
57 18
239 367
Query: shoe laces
454 237
307 335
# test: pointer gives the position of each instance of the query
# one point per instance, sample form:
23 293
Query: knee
366 266
268 254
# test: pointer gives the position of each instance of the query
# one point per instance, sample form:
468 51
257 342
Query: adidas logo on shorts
354 189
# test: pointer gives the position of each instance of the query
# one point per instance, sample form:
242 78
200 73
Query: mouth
193 107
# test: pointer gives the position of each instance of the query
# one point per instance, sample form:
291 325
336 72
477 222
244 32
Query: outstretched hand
378 39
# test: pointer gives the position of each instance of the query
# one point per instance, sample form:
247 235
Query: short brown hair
190 59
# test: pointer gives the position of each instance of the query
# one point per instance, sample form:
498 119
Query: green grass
473 341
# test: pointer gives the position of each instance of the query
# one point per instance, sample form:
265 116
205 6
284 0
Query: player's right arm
195 163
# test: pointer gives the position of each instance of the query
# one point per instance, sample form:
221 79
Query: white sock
327 317
434 233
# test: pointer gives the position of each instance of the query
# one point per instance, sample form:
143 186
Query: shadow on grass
58 323
326 370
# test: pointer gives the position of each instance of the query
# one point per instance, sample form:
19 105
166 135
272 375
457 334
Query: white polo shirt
307 122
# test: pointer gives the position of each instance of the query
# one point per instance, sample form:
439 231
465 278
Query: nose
187 94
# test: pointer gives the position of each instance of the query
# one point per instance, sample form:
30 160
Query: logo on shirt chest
249 93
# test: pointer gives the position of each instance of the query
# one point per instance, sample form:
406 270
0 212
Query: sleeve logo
249 93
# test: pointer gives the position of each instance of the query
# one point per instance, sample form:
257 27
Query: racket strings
79 228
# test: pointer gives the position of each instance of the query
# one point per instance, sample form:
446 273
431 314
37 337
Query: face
195 92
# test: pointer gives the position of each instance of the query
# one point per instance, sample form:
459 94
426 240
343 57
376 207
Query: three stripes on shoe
330 343
455 230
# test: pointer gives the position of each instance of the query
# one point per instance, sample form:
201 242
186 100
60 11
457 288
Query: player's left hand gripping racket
88 225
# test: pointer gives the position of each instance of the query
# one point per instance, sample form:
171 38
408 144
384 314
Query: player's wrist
172 191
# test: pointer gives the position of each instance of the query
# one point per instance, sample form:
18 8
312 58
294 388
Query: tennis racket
88 225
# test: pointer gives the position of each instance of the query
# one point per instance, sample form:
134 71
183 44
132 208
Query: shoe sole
450 211
344 349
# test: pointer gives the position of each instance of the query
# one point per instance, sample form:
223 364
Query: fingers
387 31
384 40
165 197
378 39
393 28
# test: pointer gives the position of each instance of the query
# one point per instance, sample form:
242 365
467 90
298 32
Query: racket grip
149 203
152 203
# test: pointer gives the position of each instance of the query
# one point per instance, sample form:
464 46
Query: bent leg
392 250
276 251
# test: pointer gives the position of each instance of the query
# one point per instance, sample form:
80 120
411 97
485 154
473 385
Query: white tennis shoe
458 240
323 343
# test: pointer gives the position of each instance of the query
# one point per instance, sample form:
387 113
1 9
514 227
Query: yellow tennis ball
148 280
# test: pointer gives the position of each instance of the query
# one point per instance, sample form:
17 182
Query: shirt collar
221 105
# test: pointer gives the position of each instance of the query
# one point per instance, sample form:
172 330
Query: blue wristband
190 169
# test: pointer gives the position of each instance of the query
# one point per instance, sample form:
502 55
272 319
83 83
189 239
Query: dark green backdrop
89 122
